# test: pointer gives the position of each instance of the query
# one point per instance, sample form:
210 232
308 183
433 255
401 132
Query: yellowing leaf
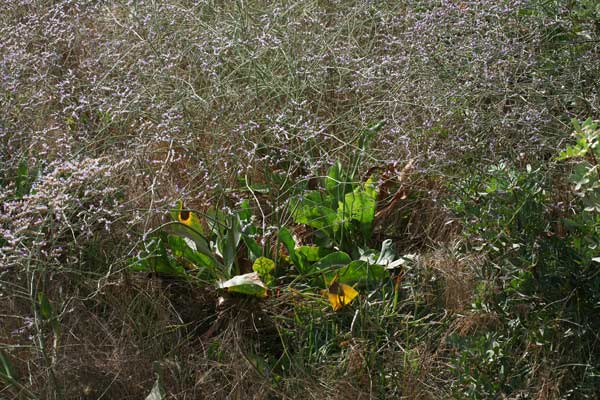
190 219
340 294
187 217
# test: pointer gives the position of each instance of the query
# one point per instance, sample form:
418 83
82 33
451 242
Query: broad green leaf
140 264
314 210
318 217
358 271
46 311
169 268
334 177
288 241
245 212
152 263
312 253
199 240
249 284
245 217
359 206
156 259
332 261
230 245
253 247
573 152
264 267
371 188
337 185
286 238
181 248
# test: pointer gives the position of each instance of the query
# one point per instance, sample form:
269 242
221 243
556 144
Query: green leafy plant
320 267
586 174
318 261
583 225
342 214
185 249
342 211
481 367
541 279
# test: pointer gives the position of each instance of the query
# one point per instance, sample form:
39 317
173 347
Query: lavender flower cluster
186 92
69 203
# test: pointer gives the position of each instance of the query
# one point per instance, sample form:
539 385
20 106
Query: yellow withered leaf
340 294
190 219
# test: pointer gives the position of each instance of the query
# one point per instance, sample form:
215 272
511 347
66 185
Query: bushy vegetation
346 199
